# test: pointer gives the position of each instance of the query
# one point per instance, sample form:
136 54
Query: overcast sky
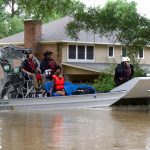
143 6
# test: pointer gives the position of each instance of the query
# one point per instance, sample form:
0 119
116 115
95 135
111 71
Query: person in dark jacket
123 71
29 69
48 65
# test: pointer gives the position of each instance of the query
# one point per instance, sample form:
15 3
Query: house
82 59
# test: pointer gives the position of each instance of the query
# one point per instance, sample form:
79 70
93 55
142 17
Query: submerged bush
104 83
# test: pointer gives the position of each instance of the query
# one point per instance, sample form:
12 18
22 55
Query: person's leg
61 93
35 83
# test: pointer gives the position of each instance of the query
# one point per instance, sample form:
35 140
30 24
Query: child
59 83
39 76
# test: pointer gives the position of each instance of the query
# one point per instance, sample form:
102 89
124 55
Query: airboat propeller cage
16 70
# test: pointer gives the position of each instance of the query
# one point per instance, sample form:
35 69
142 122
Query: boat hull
63 102
138 92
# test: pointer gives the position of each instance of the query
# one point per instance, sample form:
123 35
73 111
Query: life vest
30 65
38 77
52 65
58 82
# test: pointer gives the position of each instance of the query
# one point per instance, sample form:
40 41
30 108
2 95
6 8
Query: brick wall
32 34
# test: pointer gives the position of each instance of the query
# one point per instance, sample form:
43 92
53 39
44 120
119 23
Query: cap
47 53
125 59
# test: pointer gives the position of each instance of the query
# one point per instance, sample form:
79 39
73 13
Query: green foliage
45 9
15 25
104 83
138 71
118 18
13 12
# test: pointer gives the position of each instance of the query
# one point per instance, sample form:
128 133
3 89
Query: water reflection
75 129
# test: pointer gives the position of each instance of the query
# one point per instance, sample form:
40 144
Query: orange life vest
58 82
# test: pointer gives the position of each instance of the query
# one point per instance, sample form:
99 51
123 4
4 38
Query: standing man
48 65
123 71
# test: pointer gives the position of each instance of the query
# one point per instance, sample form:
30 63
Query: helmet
125 59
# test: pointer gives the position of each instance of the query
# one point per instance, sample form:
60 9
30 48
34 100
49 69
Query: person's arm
42 66
54 76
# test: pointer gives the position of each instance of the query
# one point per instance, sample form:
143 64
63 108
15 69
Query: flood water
79 129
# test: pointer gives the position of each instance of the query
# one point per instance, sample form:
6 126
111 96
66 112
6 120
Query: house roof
95 67
55 31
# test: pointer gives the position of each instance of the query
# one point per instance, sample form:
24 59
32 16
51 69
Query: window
90 52
72 52
111 51
80 52
141 53
124 52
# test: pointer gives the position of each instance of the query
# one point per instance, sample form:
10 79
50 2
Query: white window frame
113 51
139 55
80 60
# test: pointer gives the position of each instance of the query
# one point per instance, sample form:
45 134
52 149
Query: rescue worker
58 83
29 68
123 71
48 65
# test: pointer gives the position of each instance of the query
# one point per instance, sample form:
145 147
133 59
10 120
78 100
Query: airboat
16 93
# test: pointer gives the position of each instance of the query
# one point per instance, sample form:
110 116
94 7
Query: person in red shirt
58 83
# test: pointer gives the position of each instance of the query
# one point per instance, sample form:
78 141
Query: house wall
79 75
64 53
101 54
146 59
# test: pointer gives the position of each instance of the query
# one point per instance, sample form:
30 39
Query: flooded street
79 129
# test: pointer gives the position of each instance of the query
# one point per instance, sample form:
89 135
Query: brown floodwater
79 129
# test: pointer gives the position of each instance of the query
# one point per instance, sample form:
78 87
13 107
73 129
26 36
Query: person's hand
29 73
121 78
60 65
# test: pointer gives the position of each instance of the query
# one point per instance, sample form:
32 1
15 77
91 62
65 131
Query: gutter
13 43
79 67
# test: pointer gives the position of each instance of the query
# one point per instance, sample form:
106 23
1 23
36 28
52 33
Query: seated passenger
48 65
29 69
58 84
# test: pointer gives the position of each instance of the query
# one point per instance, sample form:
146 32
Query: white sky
143 6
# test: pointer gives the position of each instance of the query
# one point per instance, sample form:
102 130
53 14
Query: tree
13 12
118 18
45 9
11 18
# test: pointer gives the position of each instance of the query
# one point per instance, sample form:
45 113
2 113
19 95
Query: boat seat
49 88
28 85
